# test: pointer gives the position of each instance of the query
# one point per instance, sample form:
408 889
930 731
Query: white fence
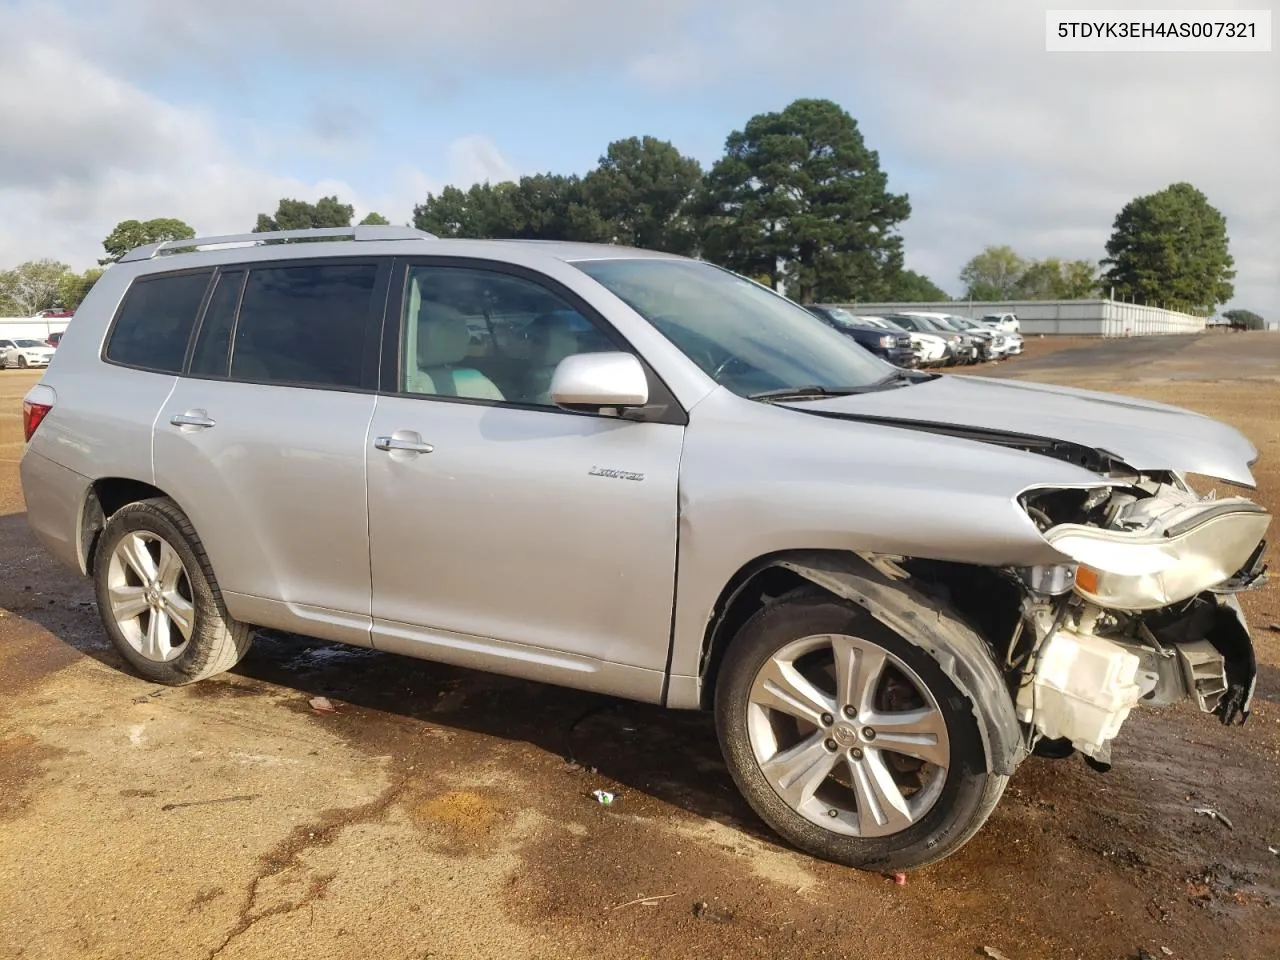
1087 318
35 328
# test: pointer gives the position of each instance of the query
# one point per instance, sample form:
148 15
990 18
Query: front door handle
192 418
398 443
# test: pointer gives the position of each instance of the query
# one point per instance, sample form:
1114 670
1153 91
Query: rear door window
213 342
154 324
307 325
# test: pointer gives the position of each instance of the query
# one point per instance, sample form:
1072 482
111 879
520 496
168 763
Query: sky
211 112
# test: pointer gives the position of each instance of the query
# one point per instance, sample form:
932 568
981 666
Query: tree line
798 201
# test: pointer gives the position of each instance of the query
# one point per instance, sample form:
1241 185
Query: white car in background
930 349
1002 343
24 353
1005 322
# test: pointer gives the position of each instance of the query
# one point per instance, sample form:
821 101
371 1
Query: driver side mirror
591 382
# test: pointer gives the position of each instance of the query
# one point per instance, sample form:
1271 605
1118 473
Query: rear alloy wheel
848 740
158 598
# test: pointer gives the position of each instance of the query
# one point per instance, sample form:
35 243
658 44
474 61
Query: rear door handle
192 418
397 443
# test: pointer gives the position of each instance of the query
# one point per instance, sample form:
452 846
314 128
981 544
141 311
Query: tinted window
213 343
305 324
155 322
484 335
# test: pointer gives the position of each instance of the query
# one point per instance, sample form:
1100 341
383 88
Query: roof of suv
350 241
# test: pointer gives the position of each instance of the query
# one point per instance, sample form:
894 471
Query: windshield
844 318
29 343
884 324
744 336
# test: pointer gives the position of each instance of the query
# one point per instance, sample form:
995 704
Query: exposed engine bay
1141 612
1145 613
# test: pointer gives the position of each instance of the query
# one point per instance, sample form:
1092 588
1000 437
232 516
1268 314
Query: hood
1144 435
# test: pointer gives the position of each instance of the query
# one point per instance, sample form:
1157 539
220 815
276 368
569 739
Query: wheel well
751 589
989 602
106 496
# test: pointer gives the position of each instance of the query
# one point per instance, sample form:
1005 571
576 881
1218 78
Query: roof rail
361 232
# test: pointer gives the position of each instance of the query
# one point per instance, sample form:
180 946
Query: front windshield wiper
811 392
817 392
900 376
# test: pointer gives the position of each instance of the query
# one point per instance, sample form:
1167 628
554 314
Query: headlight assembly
1174 555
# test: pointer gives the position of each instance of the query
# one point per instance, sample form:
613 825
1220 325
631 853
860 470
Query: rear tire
158 598
777 669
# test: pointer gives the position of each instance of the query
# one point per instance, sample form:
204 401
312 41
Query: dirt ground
445 813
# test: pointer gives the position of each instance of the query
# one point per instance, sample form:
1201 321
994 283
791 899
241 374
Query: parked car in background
930 349
54 338
892 345
23 353
973 348
1007 322
888 587
959 348
995 342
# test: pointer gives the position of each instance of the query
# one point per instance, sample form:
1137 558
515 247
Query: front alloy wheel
848 735
849 740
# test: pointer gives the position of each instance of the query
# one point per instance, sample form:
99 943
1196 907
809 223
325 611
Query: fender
961 653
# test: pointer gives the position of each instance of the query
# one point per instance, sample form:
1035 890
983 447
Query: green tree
130 234
1079 280
1171 247
32 286
543 206
994 274
1245 319
302 215
374 219
799 197
74 287
469 214
908 286
1054 279
641 193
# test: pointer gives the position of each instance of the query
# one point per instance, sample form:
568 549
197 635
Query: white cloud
82 149
997 140
1011 144
475 159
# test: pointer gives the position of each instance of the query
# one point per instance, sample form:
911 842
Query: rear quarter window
154 324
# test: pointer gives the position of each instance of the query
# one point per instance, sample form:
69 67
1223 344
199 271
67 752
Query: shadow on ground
670 755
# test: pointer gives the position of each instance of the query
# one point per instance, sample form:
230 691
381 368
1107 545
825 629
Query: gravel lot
445 813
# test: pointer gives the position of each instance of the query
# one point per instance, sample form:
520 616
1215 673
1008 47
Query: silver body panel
503 531
276 488
572 548
1144 434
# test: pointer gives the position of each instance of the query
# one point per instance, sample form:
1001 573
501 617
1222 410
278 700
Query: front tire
158 598
849 741
22 363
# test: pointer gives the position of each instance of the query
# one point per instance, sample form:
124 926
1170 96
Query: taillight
32 416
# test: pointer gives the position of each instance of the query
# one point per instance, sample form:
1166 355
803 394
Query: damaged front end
1143 611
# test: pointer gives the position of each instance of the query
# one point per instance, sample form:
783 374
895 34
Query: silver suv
642 475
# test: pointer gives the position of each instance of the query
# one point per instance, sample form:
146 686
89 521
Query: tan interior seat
441 369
